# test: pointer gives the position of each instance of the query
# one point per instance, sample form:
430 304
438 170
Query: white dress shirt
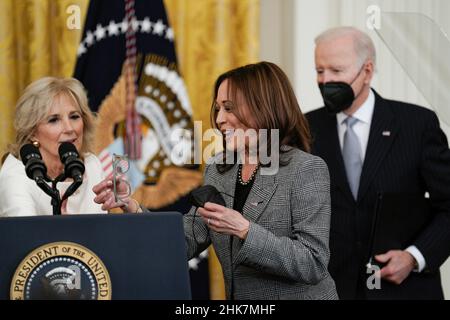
362 130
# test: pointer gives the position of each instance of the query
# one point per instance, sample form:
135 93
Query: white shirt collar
364 113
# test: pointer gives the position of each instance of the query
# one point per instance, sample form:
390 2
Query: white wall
288 29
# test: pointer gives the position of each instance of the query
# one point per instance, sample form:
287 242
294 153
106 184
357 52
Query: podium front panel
144 254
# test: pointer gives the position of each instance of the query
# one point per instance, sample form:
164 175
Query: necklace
242 182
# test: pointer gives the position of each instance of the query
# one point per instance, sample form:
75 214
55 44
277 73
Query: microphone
35 168
34 165
73 166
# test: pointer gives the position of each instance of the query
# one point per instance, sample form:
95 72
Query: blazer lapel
257 200
263 188
262 191
228 185
383 131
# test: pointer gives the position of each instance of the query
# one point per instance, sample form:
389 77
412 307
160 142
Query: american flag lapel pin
255 203
386 133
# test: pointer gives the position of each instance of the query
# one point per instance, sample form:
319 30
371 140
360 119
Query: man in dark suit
374 145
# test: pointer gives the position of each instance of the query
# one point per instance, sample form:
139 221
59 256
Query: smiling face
227 122
62 124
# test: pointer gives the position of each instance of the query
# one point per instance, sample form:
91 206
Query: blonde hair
363 44
34 106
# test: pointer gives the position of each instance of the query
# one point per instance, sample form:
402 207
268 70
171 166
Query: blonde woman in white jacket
50 111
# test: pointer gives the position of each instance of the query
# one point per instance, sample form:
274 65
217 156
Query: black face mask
338 96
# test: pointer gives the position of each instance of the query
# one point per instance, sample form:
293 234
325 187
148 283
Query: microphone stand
78 180
53 192
56 199
71 189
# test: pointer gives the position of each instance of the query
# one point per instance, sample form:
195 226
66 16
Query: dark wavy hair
271 101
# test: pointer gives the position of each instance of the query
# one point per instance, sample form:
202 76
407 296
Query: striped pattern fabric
132 131
285 254
107 163
407 152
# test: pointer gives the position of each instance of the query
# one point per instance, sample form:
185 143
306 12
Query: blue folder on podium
94 256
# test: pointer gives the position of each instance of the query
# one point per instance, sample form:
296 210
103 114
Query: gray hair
363 44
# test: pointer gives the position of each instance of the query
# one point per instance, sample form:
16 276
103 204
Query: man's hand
399 265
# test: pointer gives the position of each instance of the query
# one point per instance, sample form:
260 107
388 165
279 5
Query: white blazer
20 196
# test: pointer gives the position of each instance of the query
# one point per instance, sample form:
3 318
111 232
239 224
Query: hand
224 220
105 196
399 265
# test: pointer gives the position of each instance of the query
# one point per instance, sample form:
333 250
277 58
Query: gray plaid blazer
285 254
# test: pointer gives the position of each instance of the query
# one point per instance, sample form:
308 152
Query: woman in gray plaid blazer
271 237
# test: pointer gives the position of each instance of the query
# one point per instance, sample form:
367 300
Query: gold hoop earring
36 144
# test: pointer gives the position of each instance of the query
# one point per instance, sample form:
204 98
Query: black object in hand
207 193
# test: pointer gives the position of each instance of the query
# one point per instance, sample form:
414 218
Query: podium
94 256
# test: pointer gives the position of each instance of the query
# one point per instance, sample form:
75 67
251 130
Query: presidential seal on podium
61 271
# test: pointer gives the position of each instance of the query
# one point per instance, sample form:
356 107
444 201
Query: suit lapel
383 131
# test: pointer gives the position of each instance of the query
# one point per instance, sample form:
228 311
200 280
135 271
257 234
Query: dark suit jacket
413 158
